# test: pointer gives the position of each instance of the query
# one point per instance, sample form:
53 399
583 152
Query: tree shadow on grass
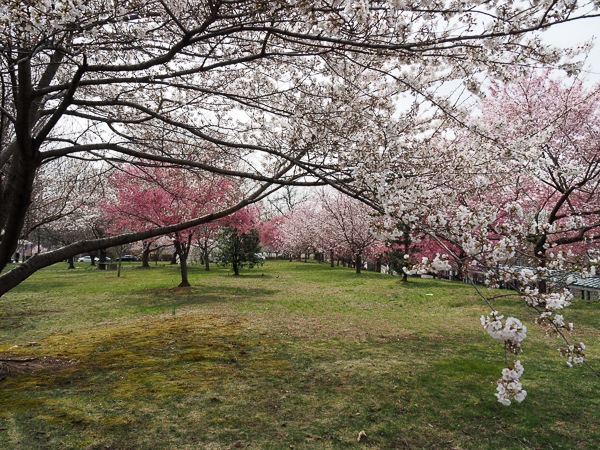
165 299
46 286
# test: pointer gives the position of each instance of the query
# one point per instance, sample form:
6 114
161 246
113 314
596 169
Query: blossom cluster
438 264
512 332
550 301
573 353
553 324
509 385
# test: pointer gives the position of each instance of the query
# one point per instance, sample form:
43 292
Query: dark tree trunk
183 249
174 258
102 260
146 255
184 272
71 262
119 267
358 262
378 265
331 257
206 261
460 274
18 186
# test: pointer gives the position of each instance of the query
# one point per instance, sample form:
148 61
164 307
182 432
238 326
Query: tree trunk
331 257
102 260
183 249
206 261
146 255
17 186
72 262
358 263
184 272
378 265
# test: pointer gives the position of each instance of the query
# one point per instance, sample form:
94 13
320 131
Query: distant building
585 288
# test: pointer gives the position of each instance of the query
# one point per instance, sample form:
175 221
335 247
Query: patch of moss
140 365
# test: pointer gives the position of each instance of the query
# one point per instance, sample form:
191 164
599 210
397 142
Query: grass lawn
289 355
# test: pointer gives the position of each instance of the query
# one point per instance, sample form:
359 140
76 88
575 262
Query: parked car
128 258
89 259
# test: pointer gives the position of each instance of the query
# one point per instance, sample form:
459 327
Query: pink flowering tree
146 198
299 230
347 225
269 231
330 222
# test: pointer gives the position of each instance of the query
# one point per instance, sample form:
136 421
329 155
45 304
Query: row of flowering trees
329 223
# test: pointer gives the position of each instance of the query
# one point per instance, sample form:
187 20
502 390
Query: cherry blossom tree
264 91
329 222
147 198
303 230
348 225
520 189
269 231
61 189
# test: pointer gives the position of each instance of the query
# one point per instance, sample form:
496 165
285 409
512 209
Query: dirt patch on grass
11 365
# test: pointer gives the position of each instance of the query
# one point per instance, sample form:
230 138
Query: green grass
289 355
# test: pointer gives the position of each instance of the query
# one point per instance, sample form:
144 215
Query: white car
89 259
